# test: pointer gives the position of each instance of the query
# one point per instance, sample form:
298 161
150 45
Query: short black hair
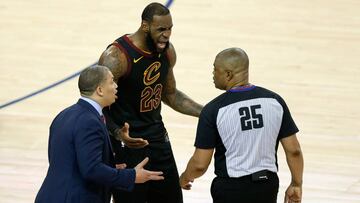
154 9
90 78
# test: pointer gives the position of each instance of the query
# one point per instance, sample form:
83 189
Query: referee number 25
249 119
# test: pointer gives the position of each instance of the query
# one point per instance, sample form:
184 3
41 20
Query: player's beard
150 43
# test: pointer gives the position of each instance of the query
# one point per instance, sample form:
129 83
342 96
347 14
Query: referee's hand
293 194
185 183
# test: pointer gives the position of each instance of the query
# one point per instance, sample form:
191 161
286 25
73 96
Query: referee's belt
258 176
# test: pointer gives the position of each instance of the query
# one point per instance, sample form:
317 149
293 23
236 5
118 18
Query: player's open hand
130 141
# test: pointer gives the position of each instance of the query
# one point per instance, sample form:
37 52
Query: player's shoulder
171 47
112 51
115 59
171 54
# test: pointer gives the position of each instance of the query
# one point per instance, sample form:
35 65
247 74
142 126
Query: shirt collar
94 104
243 88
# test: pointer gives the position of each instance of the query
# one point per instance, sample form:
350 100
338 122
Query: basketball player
142 64
244 125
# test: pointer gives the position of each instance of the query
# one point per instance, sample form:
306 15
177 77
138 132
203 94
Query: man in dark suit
81 162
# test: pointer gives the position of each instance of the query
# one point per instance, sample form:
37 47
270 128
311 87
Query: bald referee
244 125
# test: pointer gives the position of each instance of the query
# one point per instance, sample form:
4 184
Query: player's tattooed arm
115 60
175 98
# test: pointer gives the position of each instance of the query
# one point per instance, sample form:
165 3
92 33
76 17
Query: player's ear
145 26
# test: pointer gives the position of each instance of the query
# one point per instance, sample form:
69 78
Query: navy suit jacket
81 162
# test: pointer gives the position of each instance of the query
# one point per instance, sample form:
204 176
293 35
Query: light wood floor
308 51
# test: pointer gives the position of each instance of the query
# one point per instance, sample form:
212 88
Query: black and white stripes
240 144
245 128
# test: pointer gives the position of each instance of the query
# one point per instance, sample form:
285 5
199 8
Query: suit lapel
93 110
108 139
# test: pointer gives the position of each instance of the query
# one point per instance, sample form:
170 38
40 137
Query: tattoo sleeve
184 104
116 61
177 100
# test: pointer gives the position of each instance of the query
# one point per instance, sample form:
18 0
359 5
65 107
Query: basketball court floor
307 51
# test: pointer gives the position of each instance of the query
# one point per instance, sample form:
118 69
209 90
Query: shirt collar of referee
242 88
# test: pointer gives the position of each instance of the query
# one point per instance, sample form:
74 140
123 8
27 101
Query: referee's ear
229 75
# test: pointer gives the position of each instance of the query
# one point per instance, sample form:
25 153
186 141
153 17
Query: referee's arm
295 162
196 167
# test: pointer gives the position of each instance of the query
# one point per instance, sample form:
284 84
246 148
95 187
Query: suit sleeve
89 143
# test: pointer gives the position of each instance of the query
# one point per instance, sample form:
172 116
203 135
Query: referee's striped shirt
245 126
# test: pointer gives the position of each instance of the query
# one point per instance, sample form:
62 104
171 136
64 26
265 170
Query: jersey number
249 118
150 98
